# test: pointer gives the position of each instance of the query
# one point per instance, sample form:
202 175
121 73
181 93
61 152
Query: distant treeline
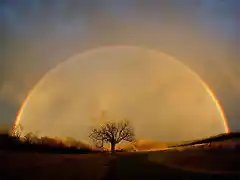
43 144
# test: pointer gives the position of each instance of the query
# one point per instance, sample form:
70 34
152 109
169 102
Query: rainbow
219 107
210 92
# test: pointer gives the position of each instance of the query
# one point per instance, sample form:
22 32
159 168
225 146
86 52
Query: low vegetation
32 143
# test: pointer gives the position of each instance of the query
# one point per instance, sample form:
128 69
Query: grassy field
52 166
187 164
215 161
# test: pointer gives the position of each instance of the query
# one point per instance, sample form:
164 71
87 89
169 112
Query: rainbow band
210 92
219 107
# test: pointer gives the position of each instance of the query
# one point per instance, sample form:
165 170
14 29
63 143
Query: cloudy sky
37 35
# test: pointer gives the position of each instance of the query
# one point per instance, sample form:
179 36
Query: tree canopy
113 133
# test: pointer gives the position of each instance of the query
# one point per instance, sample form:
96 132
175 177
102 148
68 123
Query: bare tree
99 144
30 138
17 130
113 133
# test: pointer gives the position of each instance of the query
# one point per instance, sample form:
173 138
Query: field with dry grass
30 165
208 160
172 164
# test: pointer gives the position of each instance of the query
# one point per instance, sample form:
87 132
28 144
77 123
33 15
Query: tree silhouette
17 130
113 133
30 138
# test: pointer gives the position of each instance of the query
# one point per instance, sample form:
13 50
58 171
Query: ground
172 164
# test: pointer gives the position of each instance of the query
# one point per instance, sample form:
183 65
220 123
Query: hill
234 136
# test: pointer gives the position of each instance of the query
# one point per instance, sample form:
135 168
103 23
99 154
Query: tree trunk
113 147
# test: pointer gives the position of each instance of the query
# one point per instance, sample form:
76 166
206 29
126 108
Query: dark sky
37 35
